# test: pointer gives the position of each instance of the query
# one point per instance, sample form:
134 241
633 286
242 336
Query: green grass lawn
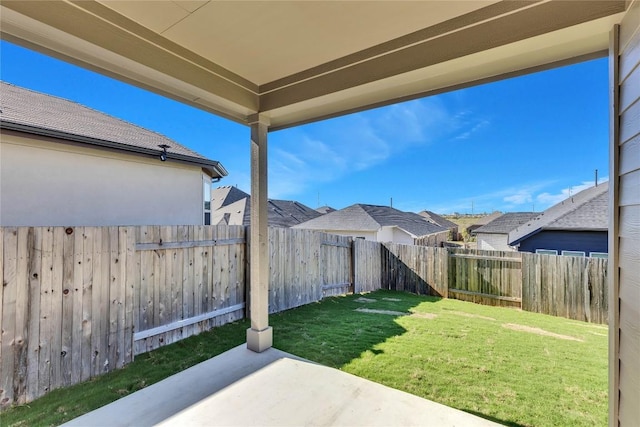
513 367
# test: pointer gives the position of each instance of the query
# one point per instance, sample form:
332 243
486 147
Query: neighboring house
494 236
64 164
576 226
225 195
234 208
483 221
378 223
434 218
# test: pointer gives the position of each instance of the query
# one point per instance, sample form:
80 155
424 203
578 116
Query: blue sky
521 144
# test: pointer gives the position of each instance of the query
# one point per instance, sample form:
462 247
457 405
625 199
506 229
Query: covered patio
274 65
272 388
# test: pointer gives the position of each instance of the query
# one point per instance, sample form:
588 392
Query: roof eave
574 229
212 167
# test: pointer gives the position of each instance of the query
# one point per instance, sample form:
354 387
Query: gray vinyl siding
624 280
585 241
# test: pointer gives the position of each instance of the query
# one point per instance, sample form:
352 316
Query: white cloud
473 128
521 197
324 152
548 199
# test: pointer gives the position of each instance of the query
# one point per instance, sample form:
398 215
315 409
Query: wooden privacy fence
306 266
571 287
417 269
485 277
67 311
186 279
367 265
77 302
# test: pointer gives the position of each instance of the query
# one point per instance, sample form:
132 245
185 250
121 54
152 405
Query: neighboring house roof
437 219
586 210
360 217
226 195
287 213
506 222
483 221
281 213
325 209
235 213
37 113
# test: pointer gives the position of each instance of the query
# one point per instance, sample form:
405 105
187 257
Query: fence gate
336 265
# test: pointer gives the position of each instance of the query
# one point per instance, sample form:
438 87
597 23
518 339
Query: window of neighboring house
206 187
599 255
573 253
547 251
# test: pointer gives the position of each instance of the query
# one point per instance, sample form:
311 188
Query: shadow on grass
494 419
333 332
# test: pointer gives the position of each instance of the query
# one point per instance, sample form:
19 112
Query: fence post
354 285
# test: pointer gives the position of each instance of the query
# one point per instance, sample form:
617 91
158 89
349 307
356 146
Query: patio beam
260 335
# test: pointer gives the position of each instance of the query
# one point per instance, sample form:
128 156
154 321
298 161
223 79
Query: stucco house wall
44 182
394 235
493 242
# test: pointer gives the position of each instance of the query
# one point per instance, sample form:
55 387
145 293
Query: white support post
260 335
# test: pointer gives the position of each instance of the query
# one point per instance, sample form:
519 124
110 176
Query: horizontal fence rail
77 302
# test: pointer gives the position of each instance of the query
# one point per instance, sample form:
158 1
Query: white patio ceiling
300 61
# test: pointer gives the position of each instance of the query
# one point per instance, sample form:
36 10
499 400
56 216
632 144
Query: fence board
87 302
9 290
56 308
104 364
34 260
46 329
67 307
76 292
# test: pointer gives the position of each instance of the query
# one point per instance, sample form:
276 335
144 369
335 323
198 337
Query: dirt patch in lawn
424 315
538 331
475 316
371 310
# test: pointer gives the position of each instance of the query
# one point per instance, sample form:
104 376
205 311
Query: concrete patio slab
272 388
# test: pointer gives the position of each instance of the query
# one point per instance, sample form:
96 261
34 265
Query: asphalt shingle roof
506 222
586 210
437 219
226 195
29 111
281 213
370 218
